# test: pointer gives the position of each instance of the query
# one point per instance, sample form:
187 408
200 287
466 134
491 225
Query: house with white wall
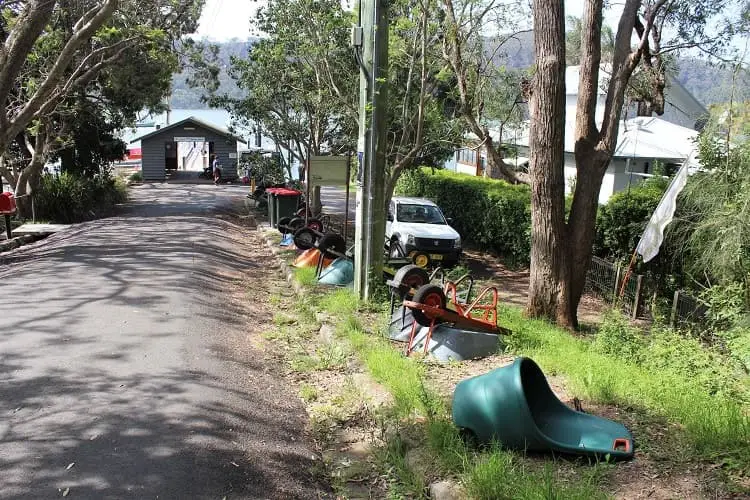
642 141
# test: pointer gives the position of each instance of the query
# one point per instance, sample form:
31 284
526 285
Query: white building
668 139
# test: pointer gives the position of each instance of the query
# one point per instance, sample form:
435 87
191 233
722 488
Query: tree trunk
549 286
582 220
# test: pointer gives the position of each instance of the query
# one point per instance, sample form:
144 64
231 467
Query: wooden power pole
370 40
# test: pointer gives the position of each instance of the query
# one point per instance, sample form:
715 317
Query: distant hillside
184 97
712 84
709 84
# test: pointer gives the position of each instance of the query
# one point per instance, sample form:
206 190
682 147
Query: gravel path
127 366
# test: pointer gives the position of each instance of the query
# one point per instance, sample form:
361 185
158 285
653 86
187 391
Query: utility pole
370 40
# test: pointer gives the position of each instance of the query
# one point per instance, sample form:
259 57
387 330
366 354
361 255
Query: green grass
308 393
306 276
715 425
500 474
405 380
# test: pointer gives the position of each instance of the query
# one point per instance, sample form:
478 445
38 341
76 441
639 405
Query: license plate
436 256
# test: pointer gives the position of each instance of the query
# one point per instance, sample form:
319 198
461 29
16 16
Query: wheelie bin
271 198
286 202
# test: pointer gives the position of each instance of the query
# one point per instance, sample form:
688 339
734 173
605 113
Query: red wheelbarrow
433 305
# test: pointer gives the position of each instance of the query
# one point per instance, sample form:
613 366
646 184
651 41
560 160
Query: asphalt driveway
127 367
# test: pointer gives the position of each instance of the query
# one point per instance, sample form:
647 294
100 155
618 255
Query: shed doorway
187 156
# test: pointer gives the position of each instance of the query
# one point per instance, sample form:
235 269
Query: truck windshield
425 214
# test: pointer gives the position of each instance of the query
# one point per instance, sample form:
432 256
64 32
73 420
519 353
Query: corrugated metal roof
195 121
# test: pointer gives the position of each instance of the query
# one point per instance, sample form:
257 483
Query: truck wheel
421 259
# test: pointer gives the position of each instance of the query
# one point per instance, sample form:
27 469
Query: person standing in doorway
216 169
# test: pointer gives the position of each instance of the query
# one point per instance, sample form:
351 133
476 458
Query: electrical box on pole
371 48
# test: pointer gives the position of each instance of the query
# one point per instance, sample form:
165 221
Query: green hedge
69 198
488 213
620 223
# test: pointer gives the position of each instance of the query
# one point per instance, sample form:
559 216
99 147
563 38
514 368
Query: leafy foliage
69 198
620 223
673 351
491 214
717 202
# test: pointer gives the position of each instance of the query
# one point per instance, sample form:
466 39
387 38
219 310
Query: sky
223 20
226 19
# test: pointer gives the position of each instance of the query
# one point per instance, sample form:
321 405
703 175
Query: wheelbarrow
433 305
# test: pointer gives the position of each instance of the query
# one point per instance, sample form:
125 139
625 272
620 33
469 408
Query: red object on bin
7 203
283 191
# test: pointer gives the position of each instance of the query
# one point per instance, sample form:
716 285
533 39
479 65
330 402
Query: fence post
637 299
617 283
673 316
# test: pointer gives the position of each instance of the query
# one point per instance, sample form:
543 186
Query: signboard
189 139
233 155
328 170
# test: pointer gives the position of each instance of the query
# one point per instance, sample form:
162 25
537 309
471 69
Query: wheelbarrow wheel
331 241
315 225
304 238
429 295
411 277
296 223
284 226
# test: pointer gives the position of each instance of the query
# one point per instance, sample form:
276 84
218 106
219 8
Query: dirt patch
513 285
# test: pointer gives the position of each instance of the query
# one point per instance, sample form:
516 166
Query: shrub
136 177
620 223
68 198
665 349
488 213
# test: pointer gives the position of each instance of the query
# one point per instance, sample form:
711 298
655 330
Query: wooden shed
161 149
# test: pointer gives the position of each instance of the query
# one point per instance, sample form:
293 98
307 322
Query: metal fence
604 279
687 309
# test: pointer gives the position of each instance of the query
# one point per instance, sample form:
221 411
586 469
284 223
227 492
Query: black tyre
429 295
283 225
304 238
315 225
296 223
331 241
411 276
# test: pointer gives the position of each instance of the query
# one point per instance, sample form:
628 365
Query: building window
468 156
645 168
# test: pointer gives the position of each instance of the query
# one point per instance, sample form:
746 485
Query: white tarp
651 240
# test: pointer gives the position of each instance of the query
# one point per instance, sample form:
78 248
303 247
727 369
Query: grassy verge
708 425
716 426
420 413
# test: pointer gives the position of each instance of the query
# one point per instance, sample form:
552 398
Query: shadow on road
125 366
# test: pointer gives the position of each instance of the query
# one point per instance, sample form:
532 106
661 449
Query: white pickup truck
420 227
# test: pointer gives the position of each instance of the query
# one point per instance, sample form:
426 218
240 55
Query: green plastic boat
515 406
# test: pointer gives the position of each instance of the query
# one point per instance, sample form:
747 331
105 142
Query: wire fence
687 309
605 280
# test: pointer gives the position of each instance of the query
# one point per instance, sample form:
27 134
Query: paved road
127 371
